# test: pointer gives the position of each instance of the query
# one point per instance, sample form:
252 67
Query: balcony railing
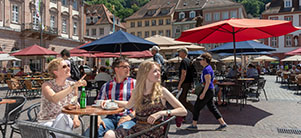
36 28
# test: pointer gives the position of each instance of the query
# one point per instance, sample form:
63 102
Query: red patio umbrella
294 52
138 54
34 50
235 30
106 55
76 50
1 52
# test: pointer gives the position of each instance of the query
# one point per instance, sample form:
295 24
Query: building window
161 22
154 22
15 14
133 33
95 19
299 2
74 5
288 18
64 2
146 23
192 14
132 24
160 32
93 32
178 29
216 16
167 33
154 33
273 41
88 20
233 14
146 34
74 28
139 34
273 18
139 23
52 21
101 31
287 3
299 20
288 40
208 17
181 15
53 1
167 21
36 21
87 32
225 15
64 26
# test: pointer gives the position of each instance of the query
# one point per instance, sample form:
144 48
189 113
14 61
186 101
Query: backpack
75 74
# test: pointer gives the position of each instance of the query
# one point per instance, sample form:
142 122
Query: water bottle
83 98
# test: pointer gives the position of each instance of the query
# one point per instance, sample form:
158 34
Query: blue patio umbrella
243 46
194 53
246 53
119 41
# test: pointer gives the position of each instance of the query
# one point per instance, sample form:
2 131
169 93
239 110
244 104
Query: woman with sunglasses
206 95
58 93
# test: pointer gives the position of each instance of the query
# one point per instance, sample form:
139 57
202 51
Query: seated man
118 89
102 75
21 72
252 72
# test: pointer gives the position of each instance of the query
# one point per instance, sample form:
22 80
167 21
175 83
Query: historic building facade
289 10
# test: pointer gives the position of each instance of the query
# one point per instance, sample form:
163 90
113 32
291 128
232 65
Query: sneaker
179 121
191 127
221 127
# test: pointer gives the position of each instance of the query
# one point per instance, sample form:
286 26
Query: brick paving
258 119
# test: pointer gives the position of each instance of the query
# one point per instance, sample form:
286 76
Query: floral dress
141 117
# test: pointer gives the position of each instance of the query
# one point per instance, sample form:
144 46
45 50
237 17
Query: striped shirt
117 91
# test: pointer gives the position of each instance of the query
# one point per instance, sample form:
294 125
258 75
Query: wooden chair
165 123
298 84
35 130
14 87
30 90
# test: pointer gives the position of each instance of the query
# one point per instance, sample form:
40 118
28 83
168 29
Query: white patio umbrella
293 58
231 59
264 58
7 57
76 59
163 41
191 47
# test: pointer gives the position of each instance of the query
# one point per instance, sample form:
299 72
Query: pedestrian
75 74
207 94
157 56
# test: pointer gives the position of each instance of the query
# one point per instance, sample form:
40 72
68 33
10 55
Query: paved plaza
258 119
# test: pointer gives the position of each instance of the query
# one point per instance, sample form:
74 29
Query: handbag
198 88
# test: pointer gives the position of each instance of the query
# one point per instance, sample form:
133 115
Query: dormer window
151 12
287 3
88 20
299 2
95 19
192 14
165 11
181 15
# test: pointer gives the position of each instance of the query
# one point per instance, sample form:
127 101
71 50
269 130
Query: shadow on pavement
186 132
249 115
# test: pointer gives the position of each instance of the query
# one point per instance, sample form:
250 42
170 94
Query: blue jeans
111 122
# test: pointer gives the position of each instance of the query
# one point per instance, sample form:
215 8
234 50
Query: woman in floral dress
149 102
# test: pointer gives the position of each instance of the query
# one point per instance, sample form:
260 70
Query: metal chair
35 130
260 86
32 115
165 123
11 113
237 92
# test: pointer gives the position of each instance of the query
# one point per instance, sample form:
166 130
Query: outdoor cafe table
7 101
224 85
93 112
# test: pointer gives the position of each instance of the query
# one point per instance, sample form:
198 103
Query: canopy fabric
1 52
193 53
82 55
264 58
244 29
164 41
119 41
76 50
292 58
76 59
34 50
231 59
139 54
189 47
246 53
244 46
7 57
175 60
294 52
236 30
106 55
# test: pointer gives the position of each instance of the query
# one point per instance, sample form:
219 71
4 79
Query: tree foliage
254 7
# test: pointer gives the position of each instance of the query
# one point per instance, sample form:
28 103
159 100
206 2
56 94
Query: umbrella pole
120 49
234 48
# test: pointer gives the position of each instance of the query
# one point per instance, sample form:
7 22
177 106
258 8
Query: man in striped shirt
118 89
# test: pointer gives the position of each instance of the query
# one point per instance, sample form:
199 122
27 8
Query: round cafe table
93 112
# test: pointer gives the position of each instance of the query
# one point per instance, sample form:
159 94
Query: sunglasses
125 66
65 66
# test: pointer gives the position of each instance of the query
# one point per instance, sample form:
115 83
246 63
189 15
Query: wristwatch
168 112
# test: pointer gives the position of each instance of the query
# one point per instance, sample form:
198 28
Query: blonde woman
57 93
149 101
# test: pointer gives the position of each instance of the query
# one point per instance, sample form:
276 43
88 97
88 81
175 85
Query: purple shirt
208 70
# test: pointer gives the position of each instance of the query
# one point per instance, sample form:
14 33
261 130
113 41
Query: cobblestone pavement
258 119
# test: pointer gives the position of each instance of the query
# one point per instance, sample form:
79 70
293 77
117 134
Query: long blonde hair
144 69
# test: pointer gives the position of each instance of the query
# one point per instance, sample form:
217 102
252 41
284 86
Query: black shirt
185 65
